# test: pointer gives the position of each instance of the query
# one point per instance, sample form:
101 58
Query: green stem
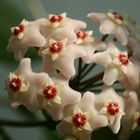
84 68
91 81
98 84
79 71
88 70
22 124
98 90
104 37
93 86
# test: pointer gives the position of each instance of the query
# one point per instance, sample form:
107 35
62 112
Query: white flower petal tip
77 109
87 127
96 16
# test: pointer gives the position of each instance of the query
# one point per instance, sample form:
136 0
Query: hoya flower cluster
59 41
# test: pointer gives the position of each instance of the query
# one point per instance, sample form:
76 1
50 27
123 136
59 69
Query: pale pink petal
121 35
96 16
100 46
131 106
102 58
131 78
107 26
89 49
131 103
111 75
116 126
134 46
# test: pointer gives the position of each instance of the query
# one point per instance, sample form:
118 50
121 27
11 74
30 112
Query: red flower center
56 47
123 59
113 108
15 84
138 121
117 16
50 92
81 35
54 19
79 119
18 29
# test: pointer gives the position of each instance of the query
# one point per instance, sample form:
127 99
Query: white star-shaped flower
23 84
110 104
25 35
117 66
111 23
64 63
82 118
55 94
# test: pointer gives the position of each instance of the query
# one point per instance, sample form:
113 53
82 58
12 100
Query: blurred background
11 14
